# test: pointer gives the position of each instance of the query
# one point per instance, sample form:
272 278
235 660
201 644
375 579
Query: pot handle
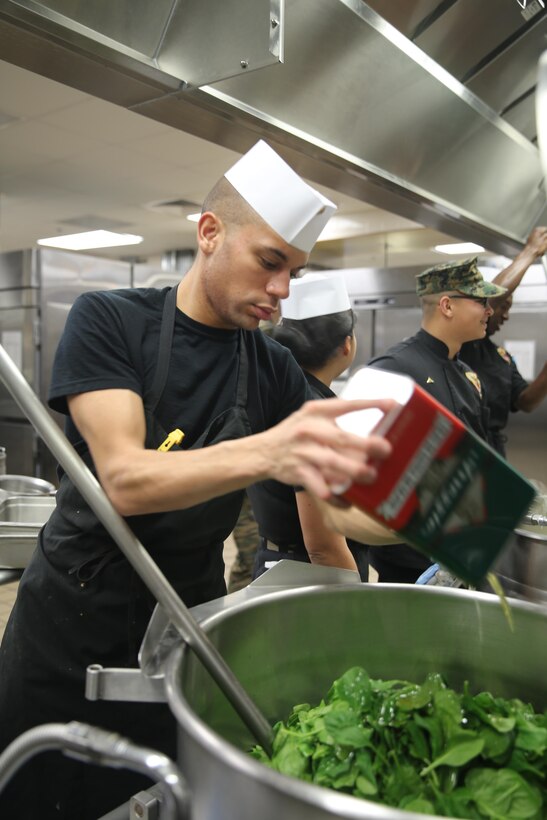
91 745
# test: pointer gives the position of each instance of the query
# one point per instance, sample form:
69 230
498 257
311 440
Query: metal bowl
25 485
522 567
288 647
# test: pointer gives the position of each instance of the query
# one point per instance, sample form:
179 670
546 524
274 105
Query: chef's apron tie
90 568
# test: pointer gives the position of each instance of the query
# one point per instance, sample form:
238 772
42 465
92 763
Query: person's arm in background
324 546
511 276
532 395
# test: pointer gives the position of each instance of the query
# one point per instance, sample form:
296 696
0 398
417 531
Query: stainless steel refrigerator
37 289
19 332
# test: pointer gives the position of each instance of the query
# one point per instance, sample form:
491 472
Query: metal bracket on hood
188 42
123 685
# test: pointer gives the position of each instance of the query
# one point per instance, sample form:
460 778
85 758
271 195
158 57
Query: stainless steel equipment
21 518
473 107
19 309
37 289
104 749
26 485
522 568
287 647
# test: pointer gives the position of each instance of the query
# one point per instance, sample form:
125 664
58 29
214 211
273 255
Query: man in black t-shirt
133 368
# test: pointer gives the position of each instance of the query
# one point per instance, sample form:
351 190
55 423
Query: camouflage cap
463 276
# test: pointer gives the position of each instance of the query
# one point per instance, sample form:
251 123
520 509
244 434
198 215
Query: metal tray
21 518
26 509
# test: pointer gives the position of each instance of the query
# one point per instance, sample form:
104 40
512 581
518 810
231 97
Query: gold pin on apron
174 437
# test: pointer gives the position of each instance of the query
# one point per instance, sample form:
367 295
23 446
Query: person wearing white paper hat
317 327
132 368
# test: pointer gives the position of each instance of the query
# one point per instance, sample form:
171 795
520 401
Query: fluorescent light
193 217
90 239
459 247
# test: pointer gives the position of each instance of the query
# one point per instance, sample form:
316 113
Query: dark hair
224 201
314 341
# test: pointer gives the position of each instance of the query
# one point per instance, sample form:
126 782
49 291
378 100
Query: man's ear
210 228
346 345
445 305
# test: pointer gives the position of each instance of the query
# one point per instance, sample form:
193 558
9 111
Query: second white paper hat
295 210
315 295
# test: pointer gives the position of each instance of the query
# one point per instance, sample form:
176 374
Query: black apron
80 602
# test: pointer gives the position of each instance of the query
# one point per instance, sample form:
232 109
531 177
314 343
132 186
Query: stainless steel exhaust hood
358 104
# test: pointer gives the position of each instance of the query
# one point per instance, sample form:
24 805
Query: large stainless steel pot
288 647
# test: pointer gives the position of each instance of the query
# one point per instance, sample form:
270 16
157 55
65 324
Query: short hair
314 341
225 202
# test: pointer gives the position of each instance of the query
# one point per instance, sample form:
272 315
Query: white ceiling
71 162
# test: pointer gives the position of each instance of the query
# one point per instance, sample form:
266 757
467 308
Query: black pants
397 563
58 626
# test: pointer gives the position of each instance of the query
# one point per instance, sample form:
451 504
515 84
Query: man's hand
511 276
537 241
309 449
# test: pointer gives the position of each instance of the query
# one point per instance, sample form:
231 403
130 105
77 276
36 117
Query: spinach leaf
341 727
458 754
503 793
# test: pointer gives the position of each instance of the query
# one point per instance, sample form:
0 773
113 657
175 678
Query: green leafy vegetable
419 747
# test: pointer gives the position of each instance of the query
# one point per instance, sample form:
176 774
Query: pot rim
531 535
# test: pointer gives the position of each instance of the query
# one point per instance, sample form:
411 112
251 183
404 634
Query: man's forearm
306 449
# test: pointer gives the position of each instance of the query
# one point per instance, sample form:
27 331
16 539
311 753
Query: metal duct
356 105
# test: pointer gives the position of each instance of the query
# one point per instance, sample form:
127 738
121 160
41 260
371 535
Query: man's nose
489 309
279 284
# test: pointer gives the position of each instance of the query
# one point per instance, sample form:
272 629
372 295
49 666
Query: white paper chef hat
290 206
315 295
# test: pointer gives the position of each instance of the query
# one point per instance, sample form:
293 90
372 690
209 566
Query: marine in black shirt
455 310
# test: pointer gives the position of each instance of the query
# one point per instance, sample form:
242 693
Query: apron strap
243 373
164 349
